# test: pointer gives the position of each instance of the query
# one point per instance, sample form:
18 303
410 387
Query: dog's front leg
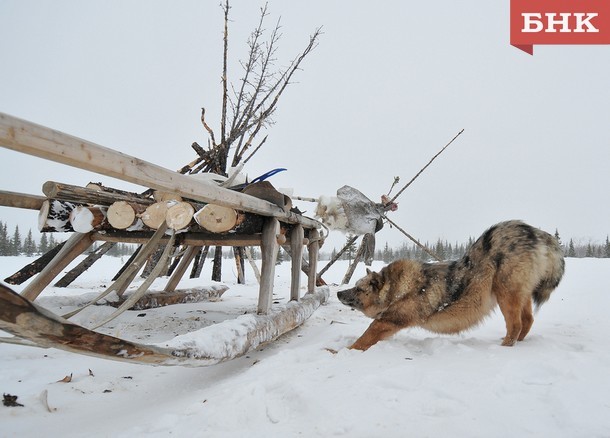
377 331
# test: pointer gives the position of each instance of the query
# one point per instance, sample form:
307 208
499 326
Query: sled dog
512 264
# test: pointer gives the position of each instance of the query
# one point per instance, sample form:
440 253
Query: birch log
54 216
84 219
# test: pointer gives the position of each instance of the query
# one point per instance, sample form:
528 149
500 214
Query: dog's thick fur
512 264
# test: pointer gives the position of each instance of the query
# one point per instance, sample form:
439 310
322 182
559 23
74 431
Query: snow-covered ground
554 384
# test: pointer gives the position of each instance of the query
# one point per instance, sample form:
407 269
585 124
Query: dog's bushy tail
543 290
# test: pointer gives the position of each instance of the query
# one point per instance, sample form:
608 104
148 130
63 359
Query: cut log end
179 215
85 219
121 215
216 218
154 215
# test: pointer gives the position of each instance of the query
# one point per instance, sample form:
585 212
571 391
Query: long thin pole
423 168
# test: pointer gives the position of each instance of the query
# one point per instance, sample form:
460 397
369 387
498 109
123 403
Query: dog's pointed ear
376 280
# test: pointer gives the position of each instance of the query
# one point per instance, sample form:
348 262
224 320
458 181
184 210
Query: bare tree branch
207 127
248 108
223 121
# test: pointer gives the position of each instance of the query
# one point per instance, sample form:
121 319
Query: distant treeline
451 251
14 244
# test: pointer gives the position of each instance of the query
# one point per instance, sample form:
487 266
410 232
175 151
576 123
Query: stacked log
54 216
124 215
85 219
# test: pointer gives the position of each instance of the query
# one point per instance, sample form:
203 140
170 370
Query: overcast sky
389 85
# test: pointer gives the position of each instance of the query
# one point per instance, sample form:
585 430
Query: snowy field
418 384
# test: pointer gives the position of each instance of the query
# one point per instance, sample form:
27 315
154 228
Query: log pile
96 207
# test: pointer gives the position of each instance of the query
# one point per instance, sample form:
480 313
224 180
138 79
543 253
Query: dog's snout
347 297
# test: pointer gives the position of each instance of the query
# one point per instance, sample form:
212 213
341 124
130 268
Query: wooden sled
229 339
277 226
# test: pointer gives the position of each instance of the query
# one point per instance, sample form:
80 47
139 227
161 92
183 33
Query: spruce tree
16 242
4 241
44 244
571 249
52 241
607 248
29 246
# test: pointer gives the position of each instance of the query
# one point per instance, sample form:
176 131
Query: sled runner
27 320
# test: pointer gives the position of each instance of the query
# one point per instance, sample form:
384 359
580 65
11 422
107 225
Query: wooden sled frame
36 140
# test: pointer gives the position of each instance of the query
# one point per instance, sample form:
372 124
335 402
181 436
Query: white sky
388 86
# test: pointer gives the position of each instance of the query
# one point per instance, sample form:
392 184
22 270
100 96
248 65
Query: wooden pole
35 267
296 255
352 267
313 248
21 200
178 273
269 248
84 265
75 246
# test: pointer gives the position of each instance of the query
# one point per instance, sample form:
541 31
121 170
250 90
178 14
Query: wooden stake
133 298
75 246
269 248
296 255
313 248
178 273
35 267
126 277
73 274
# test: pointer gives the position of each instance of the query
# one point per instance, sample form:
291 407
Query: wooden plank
184 263
195 239
30 138
75 246
21 200
296 255
314 248
269 248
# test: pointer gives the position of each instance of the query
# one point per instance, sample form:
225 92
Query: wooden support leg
296 253
313 248
269 248
178 273
75 246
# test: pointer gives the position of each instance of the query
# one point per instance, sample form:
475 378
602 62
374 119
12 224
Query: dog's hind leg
527 319
510 306
377 331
